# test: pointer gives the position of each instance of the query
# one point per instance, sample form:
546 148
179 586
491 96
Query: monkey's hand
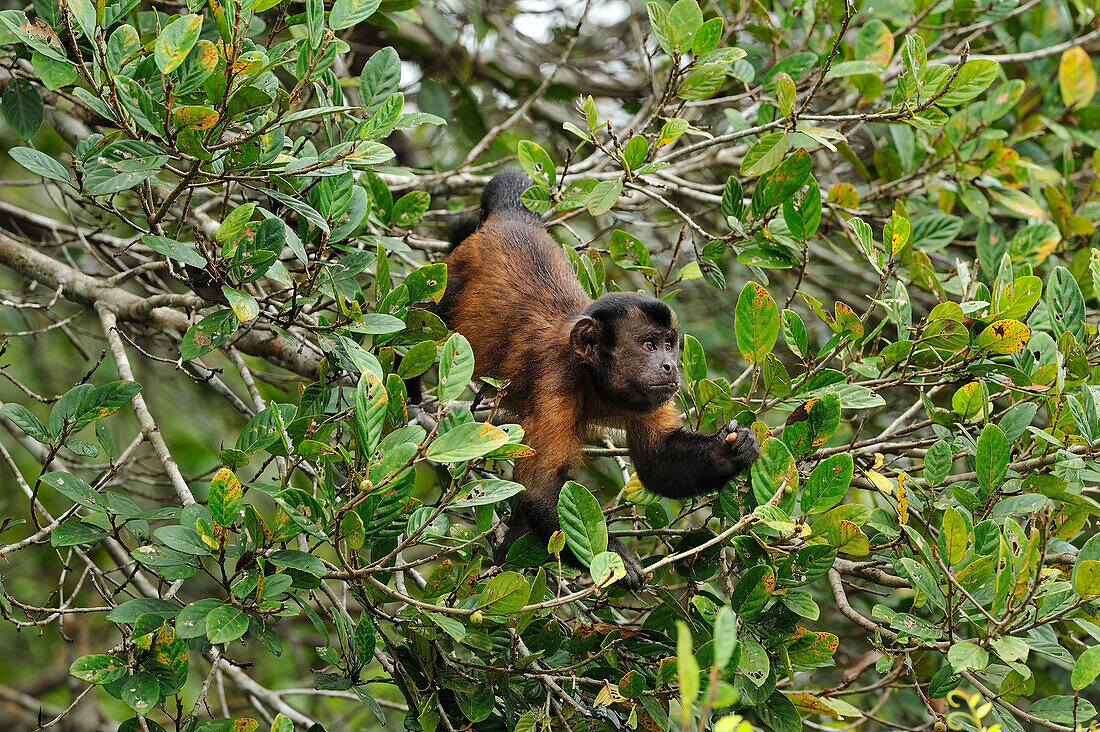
635 575
735 449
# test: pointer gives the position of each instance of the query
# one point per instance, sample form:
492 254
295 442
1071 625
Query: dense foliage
222 220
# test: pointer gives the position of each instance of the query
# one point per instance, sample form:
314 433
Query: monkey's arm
677 463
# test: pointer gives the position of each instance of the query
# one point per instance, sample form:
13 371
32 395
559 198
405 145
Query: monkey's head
631 345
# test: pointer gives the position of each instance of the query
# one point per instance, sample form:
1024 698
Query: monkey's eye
650 346
668 345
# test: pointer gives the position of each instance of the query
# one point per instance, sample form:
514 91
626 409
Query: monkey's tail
503 193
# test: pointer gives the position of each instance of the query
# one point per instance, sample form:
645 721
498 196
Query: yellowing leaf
1004 336
880 481
194 117
1076 78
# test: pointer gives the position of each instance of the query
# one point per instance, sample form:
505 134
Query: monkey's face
640 370
631 345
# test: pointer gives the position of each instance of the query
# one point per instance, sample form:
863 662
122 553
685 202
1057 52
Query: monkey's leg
674 462
554 431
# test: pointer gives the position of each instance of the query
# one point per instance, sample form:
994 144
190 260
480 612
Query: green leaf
828 483
794 333
176 41
684 18
536 162
103 401
141 691
225 624
774 471
466 442
791 175
98 669
937 463
582 522
752 591
505 594
687 670
174 250
208 334
967 656
603 196
1063 709
371 403
756 322
75 533
456 367
191 620
346 13
224 498
299 560
607 568
707 37
22 107
1085 669
41 164
765 154
725 636
955 536
974 78
992 457
417 360
380 78
26 421
408 209
84 13
75 489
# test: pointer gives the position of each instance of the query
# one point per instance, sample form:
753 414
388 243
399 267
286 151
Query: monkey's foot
635 576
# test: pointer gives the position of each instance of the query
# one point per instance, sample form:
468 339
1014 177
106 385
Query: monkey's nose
667 367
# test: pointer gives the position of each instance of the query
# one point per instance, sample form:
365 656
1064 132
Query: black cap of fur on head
503 194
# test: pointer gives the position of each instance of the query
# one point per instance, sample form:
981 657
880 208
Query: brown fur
571 364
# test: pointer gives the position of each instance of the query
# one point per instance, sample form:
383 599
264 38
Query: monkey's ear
585 338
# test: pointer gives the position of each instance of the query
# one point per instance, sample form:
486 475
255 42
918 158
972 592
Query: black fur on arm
684 464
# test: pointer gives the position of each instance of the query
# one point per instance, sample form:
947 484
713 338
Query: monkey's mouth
665 386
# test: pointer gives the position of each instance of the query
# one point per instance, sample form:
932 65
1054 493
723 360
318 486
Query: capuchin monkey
571 362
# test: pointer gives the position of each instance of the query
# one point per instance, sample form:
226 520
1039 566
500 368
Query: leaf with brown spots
1004 336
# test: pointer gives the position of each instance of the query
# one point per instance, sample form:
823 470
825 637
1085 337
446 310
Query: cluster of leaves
920 525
